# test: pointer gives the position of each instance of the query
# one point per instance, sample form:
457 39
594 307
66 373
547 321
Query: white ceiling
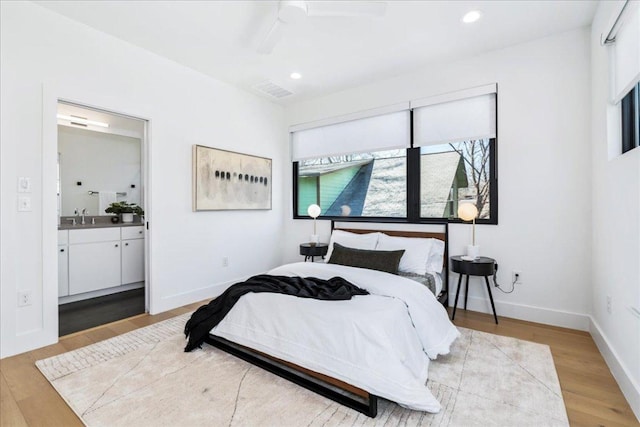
220 38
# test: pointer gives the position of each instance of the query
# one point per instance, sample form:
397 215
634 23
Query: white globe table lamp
314 212
467 211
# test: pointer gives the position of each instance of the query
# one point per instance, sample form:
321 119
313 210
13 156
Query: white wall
101 162
616 228
45 56
543 170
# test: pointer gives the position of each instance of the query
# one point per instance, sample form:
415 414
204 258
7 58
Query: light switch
24 204
24 184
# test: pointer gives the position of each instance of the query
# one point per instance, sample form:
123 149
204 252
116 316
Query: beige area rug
143 378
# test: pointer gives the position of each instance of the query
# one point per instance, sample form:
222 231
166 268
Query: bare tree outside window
475 154
453 172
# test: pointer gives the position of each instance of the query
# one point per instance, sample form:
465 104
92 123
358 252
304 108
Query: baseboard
189 297
629 388
529 313
100 293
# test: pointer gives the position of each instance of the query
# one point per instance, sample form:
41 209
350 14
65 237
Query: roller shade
624 51
349 135
458 116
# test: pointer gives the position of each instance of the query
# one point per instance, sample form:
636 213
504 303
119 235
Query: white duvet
380 342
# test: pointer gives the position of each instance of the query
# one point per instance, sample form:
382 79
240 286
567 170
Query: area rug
144 378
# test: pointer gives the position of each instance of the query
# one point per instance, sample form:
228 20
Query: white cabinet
63 237
132 255
100 258
94 266
63 263
132 233
63 270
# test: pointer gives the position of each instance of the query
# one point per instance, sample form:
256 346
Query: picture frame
227 180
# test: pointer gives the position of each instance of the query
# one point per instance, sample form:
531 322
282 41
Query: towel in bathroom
105 198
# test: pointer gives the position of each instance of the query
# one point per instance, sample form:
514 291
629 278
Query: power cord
495 282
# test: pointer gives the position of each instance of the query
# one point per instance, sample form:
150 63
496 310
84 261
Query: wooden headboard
438 231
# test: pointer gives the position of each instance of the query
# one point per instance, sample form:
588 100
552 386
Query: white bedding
369 341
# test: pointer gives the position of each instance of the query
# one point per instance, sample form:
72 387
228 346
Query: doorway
102 241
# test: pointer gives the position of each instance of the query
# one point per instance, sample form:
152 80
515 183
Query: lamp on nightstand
467 211
314 212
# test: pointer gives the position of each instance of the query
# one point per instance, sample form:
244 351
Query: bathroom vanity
99 259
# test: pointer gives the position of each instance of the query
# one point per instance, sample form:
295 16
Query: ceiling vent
272 89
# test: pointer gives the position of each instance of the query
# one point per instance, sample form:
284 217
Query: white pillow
352 240
416 252
435 262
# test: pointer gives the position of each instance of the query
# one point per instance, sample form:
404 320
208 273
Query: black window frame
493 190
413 194
630 119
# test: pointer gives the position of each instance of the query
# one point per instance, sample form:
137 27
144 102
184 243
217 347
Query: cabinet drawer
63 237
132 232
94 235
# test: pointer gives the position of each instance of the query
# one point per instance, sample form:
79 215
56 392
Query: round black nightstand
481 266
310 250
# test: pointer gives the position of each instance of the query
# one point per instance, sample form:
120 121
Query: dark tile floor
81 315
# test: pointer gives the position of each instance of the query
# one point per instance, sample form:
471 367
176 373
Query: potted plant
124 210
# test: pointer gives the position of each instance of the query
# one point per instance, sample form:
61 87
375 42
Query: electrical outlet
225 261
24 298
24 204
516 277
609 304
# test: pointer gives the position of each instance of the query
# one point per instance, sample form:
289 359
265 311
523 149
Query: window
357 185
631 119
411 162
622 42
374 185
453 172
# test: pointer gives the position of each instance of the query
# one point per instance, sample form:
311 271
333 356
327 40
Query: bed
354 351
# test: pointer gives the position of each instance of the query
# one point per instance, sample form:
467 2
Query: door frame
51 95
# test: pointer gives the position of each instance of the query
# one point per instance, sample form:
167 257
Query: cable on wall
495 282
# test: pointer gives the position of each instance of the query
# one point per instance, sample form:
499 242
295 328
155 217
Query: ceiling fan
291 11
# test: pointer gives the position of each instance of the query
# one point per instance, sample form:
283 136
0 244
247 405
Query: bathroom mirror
99 160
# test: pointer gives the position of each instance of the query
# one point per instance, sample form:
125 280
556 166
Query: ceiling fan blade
346 8
272 38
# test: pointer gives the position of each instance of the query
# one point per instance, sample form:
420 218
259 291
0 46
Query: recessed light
296 76
471 16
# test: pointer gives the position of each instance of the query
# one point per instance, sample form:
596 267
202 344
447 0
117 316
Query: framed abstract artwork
225 180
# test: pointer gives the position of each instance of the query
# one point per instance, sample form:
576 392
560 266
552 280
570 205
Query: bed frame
332 388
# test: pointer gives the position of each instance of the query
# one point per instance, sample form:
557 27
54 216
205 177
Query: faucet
84 212
75 214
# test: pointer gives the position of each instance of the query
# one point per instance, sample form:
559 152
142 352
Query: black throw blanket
206 317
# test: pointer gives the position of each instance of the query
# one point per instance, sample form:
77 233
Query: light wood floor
590 393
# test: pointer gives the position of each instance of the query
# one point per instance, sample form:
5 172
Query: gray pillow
386 261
